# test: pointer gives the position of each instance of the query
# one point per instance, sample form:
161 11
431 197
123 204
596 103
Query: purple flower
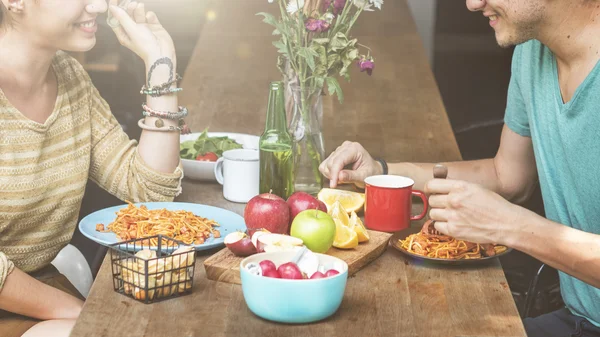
338 6
366 64
316 25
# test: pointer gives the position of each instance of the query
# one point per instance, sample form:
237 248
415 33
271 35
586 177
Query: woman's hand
349 153
141 32
470 212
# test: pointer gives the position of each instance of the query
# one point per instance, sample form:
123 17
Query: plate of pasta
200 226
427 244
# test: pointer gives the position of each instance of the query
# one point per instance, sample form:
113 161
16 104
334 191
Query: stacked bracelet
163 127
161 89
149 112
160 92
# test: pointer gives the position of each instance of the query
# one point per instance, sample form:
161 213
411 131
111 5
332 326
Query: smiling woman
56 132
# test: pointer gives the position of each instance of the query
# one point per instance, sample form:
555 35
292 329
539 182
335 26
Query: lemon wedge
345 237
351 201
359 228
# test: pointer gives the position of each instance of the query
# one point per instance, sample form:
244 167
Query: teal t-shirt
566 143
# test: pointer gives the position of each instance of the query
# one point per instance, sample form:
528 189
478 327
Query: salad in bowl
200 151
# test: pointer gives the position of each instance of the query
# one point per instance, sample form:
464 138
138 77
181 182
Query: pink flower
338 6
316 25
366 64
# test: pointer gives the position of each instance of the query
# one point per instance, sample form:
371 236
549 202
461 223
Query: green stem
340 18
356 15
289 50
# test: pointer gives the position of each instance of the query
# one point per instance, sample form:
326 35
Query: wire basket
154 273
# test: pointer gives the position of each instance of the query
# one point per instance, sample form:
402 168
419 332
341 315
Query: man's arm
24 295
511 173
572 251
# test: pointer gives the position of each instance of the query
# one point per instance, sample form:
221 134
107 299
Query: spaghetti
430 243
139 222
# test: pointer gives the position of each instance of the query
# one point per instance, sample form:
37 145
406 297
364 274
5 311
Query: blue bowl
293 301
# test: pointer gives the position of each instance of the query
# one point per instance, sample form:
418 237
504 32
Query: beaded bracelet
161 89
163 128
160 92
149 112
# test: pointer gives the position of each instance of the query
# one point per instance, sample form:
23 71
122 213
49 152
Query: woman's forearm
24 295
572 251
160 150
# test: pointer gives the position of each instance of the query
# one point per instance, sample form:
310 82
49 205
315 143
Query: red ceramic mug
388 203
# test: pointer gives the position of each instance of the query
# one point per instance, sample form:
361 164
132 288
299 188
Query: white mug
238 171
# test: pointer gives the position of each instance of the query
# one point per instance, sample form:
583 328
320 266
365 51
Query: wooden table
398 114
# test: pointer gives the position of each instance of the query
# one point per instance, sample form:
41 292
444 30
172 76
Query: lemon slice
337 211
345 237
351 201
359 228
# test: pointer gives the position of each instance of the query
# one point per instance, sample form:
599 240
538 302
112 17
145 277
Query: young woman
56 132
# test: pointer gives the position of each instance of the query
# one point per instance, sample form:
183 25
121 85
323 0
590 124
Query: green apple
316 228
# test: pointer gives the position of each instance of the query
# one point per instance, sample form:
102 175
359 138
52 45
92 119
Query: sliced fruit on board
345 237
351 201
277 241
239 243
337 211
359 228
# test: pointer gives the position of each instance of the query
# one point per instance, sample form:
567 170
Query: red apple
290 271
267 211
256 234
239 243
301 201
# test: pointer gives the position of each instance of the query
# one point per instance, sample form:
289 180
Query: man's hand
470 212
349 153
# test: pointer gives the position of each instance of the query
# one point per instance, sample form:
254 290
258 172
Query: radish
267 265
290 271
272 273
239 244
317 275
331 272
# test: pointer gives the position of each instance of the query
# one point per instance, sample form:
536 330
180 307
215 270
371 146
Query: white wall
423 12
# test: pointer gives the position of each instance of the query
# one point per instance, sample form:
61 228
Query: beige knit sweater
44 169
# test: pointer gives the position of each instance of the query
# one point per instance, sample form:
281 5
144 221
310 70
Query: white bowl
205 170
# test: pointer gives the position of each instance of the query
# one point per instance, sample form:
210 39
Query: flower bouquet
315 48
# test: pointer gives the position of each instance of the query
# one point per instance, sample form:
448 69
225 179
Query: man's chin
508 40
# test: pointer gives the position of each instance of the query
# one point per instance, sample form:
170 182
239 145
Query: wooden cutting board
225 267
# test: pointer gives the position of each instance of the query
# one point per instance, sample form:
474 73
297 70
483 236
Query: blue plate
229 221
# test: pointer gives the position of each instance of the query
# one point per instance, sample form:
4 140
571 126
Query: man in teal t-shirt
551 133
566 144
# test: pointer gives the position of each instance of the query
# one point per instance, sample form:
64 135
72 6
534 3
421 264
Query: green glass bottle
276 162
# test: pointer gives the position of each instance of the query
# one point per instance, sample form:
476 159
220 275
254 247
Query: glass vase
307 138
